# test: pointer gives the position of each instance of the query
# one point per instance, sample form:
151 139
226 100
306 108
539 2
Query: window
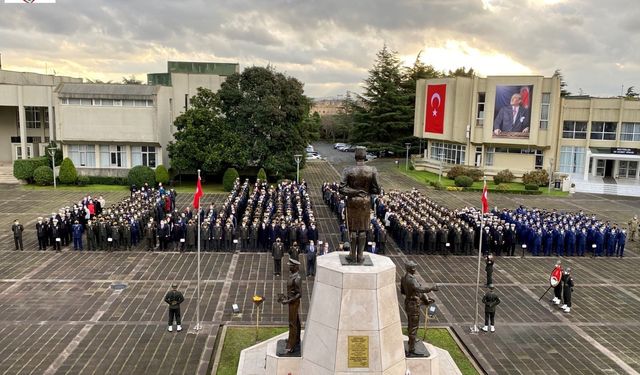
603 130
544 110
83 155
32 115
630 131
572 159
143 155
488 160
74 101
64 101
574 129
480 111
478 161
113 156
627 169
600 167
448 152
539 160
86 102
107 102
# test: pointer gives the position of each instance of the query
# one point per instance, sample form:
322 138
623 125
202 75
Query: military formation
251 218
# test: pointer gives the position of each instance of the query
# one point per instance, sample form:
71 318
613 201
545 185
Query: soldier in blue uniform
621 241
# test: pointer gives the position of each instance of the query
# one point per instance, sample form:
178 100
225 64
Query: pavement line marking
29 275
205 358
617 286
584 335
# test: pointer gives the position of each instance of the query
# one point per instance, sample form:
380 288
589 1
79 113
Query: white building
104 128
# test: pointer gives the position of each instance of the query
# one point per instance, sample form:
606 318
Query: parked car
309 148
371 156
343 147
313 156
337 145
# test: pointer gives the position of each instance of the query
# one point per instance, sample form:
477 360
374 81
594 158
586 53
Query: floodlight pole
406 164
198 325
298 158
52 152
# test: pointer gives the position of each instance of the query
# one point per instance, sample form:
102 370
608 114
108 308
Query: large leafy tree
204 139
385 113
271 113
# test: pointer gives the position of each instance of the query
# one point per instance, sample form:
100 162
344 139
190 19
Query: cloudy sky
329 44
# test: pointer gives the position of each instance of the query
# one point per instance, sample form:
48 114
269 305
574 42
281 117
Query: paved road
61 316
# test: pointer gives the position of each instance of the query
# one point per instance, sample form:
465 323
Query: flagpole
475 329
198 326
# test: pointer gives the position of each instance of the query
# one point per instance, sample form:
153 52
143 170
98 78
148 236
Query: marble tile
357 310
326 304
388 311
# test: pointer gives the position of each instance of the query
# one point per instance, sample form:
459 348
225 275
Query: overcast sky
329 44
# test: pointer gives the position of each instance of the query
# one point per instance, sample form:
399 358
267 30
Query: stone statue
293 300
358 183
415 294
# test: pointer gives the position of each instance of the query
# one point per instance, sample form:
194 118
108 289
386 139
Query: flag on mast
198 195
485 199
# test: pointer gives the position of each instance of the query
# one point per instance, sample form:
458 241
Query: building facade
522 123
105 129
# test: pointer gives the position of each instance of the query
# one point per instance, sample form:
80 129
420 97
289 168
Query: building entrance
608 168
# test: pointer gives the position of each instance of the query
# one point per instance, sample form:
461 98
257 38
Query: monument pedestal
353 327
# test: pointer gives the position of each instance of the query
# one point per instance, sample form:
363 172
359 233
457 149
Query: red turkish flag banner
434 116
198 195
485 199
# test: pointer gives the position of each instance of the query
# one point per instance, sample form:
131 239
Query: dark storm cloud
328 44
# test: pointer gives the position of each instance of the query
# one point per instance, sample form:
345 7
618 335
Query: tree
385 113
131 80
162 175
204 139
268 111
631 93
68 173
563 83
461 72
141 174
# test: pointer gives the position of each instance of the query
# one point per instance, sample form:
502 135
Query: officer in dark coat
490 300
17 230
41 232
567 289
489 269
174 298
91 230
415 294
276 252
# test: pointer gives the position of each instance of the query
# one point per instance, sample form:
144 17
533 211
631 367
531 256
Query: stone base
281 350
345 262
419 352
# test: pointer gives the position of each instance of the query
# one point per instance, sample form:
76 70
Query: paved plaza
61 316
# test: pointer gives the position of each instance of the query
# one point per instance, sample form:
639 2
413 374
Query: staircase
6 175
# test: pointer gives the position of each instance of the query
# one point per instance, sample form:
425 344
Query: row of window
112 156
490 151
545 109
601 130
450 153
107 102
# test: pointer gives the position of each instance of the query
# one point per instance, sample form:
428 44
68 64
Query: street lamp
550 173
406 164
440 156
298 157
52 152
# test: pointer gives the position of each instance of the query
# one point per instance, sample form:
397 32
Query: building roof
106 91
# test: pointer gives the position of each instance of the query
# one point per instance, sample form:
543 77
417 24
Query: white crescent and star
435 108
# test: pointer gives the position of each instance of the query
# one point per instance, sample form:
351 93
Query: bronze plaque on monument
358 351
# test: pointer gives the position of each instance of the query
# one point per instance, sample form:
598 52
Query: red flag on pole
198 195
485 199
434 116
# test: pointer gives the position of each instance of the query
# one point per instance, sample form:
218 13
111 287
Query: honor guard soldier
490 300
174 298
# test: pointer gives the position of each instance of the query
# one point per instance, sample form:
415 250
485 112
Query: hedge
23 169
68 173
460 170
538 177
522 192
83 181
162 174
140 174
464 181
43 175
262 175
531 187
504 176
107 180
229 178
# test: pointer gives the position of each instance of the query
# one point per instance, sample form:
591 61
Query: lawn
187 187
425 177
238 338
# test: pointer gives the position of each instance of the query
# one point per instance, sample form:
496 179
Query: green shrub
140 174
538 177
464 181
68 173
162 174
57 155
459 170
436 184
531 187
83 181
502 187
23 169
262 175
229 178
107 180
43 175
504 176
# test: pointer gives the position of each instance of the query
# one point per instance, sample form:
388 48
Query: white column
586 165
50 110
23 123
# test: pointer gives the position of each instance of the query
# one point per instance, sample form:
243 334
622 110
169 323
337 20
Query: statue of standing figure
292 298
358 183
415 295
